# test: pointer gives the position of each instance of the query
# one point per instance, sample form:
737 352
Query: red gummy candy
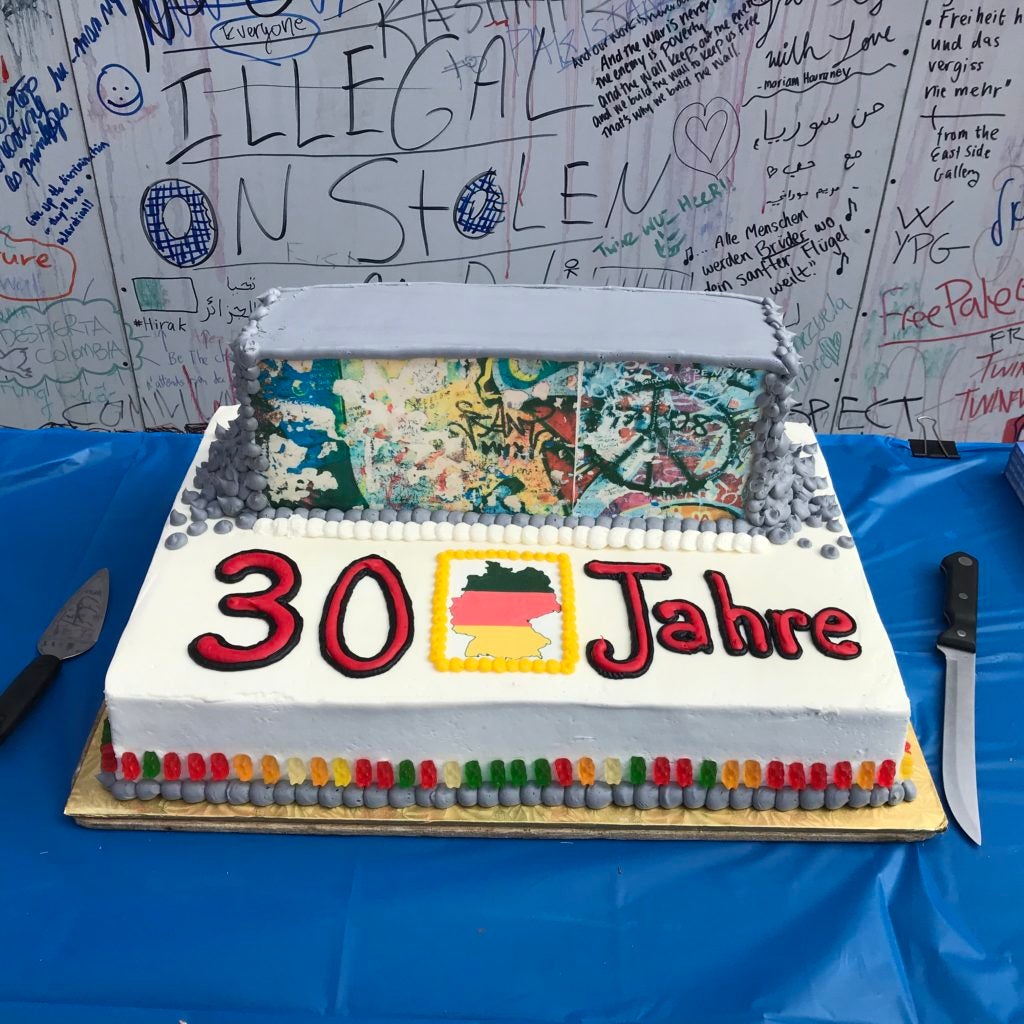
129 766
684 771
563 771
797 778
196 767
662 772
364 772
819 775
108 759
172 767
843 774
219 766
776 774
887 773
428 774
385 774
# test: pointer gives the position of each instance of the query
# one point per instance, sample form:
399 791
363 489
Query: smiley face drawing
119 90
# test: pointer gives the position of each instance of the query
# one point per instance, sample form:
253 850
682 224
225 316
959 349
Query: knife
957 643
75 629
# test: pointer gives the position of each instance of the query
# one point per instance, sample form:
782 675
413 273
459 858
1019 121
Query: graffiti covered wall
66 355
857 160
508 435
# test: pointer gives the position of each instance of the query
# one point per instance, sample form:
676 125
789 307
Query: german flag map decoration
503 611
496 609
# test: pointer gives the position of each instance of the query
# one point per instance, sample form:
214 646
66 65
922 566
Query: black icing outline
776 633
671 621
632 613
841 635
389 600
237 577
748 646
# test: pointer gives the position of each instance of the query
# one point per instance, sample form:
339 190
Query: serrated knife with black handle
958 642
75 629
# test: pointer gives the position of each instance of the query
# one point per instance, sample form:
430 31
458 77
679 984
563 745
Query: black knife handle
961 602
30 685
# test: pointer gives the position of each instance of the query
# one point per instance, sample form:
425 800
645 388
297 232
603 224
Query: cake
497 545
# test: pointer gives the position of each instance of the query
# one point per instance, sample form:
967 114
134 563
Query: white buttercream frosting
703 705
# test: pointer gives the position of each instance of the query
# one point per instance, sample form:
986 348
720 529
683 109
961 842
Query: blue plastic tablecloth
220 929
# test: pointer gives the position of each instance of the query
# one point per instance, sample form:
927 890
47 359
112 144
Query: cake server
75 629
958 643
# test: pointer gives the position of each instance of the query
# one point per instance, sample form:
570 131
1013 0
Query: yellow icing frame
439 617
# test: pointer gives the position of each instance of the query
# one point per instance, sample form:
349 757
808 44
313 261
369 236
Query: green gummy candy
637 770
471 775
542 771
518 772
150 765
105 732
406 774
708 774
498 773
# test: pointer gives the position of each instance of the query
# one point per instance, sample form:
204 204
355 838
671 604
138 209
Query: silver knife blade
77 625
959 778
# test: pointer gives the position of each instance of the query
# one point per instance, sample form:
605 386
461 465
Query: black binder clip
925 447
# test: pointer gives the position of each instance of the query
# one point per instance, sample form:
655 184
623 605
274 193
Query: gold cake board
92 806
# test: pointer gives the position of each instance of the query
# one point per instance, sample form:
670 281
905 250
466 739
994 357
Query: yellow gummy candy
341 771
242 763
270 768
318 771
587 771
906 766
752 774
452 774
296 770
731 774
612 771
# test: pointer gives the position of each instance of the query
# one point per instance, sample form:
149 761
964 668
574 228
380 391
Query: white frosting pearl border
595 538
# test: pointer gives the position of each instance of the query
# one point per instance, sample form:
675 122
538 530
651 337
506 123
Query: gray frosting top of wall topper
560 322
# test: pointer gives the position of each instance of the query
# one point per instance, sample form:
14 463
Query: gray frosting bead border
645 797
777 534
780 494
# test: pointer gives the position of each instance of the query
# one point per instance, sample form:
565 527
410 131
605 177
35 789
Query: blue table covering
218 929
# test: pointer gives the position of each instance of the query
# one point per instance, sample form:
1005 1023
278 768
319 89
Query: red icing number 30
271 605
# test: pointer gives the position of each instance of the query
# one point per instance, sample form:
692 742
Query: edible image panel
397 432
659 439
525 422
488 435
302 427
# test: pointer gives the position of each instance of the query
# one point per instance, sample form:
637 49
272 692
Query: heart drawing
706 135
